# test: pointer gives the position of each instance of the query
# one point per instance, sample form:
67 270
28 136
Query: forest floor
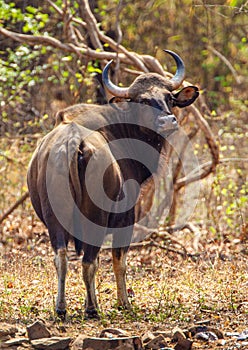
166 289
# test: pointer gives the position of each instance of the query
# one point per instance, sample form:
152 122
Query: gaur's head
155 96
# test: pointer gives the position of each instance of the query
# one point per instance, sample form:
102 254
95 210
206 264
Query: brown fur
74 154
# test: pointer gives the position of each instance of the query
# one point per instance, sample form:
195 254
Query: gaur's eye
171 101
146 102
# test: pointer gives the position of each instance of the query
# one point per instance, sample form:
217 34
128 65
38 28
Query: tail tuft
78 245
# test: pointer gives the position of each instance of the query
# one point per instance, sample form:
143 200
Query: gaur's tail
77 168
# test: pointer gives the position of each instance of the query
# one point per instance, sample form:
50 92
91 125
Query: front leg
119 267
122 237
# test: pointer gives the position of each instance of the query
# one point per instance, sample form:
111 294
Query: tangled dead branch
77 30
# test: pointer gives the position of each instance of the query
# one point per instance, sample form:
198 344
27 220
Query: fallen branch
151 243
149 236
14 206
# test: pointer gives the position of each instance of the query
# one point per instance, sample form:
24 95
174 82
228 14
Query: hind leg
59 240
90 266
60 261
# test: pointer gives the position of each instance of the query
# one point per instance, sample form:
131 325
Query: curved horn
112 88
178 78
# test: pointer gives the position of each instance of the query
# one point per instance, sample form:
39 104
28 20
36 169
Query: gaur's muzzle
166 124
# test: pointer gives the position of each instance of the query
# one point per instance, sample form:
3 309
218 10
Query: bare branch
214 150
37 40
60 12
182 152
227 63
91 24
222 161
56 8
125 56
47 40
96 35
14 206
118 30
153 64
144 63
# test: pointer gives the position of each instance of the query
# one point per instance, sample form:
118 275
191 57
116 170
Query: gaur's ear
116 99
60 117
120 103
186 96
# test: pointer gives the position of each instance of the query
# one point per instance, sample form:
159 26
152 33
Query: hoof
124 306
91 314
61 314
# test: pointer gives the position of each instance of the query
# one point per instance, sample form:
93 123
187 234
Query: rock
204 329
38 330
157 342
183 344
206 336
78 343
4 338
53 343
221 342
110 332
180 337
148 336
14 342
165 334
232 334
126 343
203 322
6 330
178 334
243 336
244 344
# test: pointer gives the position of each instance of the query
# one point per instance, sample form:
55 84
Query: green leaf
243 199
92 69
31 9
233 3
65 74
212 229
67 58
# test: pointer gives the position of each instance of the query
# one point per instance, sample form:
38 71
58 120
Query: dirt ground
166 289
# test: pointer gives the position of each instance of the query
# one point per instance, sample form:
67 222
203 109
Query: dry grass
168 291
